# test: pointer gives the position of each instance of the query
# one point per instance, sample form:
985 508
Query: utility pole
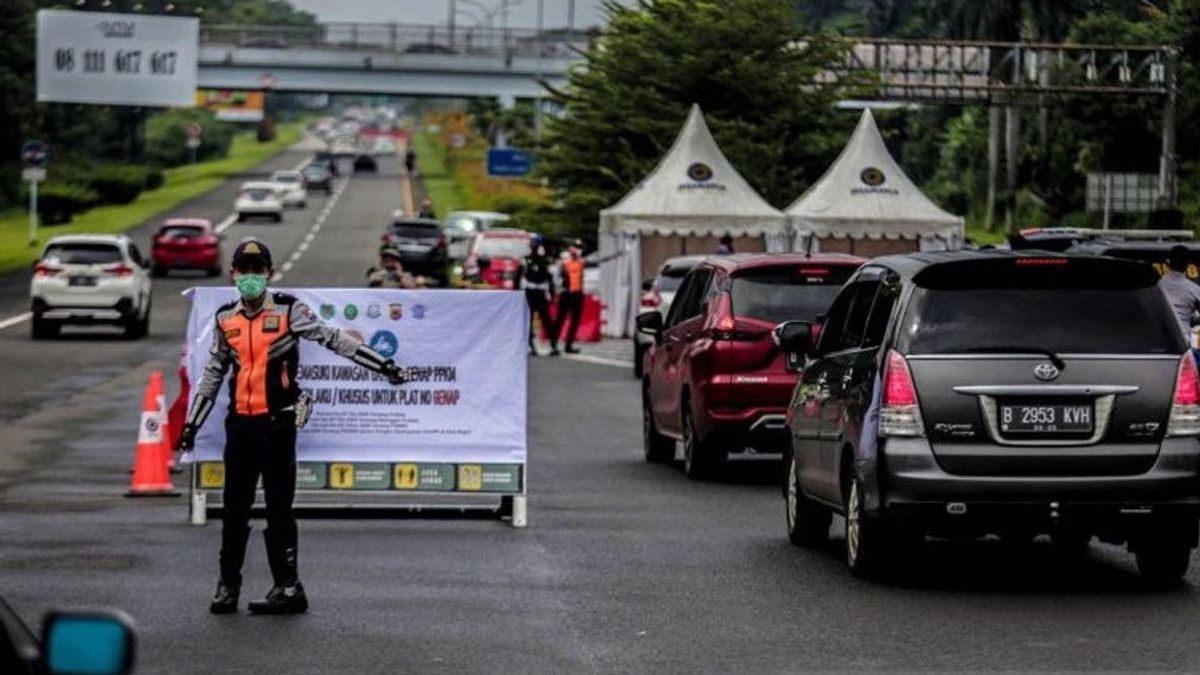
450 21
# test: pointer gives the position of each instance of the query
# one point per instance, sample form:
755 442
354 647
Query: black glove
394 373
187 439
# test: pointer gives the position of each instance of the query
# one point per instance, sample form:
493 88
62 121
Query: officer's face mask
250 286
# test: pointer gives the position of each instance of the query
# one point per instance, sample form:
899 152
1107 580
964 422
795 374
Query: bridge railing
402 39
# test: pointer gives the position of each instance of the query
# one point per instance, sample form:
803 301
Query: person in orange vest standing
570 301
258 338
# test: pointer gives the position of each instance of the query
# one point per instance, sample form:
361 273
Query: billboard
116 59
231 105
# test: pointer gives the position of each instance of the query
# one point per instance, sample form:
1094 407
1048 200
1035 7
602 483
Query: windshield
776 295
259 194
671 278
502 247
287 179
464 223
1072 321
181 232
416 230
82 254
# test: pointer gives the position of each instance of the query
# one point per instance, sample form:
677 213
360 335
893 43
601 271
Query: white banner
118 59
468 403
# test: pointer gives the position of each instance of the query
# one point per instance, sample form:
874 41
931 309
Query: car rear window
181 232
83 254
287 179
259 194
416 230
778 294
1063 305
503 247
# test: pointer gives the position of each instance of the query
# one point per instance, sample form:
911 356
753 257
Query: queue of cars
1008 393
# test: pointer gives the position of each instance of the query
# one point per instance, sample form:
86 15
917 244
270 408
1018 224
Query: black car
317 178
327 161
365 163
421 244
1009 393
1064 239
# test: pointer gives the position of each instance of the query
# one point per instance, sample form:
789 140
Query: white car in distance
291 184
90 279
260 199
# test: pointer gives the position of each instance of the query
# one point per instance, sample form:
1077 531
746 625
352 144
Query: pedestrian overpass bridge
388 59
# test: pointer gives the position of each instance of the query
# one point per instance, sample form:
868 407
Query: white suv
259 198
90 279
291 184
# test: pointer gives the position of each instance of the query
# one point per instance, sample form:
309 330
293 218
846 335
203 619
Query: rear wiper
1020 349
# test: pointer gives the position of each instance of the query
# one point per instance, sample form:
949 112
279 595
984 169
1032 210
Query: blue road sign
508 162
35 153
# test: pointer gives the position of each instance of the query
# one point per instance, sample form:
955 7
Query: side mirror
650 323
88 641
647 284
795 337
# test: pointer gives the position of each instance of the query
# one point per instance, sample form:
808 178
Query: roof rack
1112 234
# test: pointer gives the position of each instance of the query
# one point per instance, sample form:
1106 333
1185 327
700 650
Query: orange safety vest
259 377
573 273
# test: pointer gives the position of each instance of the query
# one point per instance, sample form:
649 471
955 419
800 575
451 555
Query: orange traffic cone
151 478
165 447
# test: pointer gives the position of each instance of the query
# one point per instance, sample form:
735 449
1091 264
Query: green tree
746 62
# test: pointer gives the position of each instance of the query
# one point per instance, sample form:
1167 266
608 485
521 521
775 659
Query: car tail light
46 270
118 270
725 326
651 298
899 414
1185 409
243 195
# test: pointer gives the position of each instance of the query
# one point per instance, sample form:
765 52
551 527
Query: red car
495 257
714 377
186 244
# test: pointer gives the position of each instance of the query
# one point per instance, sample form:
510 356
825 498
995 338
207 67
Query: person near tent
570 300
426 210
410 162
726 245
536 277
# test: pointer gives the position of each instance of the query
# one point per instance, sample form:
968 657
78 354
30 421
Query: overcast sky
521 13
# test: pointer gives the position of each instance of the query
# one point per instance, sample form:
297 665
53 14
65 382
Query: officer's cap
250 252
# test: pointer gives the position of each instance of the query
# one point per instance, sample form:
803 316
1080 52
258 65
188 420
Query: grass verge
180 184
439 182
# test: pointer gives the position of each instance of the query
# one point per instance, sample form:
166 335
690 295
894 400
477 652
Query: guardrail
403 39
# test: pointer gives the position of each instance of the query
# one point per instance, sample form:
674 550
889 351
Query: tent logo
872 177
700 172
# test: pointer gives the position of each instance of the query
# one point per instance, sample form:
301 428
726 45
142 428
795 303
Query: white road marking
224 224
302 247
14 320
598 360
311 234
287 266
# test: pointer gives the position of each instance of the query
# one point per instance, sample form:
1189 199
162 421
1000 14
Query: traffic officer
390 272
1182 293
570 302
538 282
257 337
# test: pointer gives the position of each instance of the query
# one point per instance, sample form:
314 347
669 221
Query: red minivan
186 244
714 378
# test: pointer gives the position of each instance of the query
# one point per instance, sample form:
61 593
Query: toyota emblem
1045 372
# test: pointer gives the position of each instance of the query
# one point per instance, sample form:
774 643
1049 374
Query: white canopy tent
691 199
866 205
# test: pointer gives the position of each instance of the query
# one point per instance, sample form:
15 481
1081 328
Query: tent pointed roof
865 194
694 190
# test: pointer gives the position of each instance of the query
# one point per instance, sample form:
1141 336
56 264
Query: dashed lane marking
14 320
598 360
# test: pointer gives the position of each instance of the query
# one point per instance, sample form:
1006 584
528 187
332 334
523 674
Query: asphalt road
624 567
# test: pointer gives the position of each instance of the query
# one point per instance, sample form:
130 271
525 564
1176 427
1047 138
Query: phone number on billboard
123 61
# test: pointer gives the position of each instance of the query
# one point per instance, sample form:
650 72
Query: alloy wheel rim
687 440
853 525
791 494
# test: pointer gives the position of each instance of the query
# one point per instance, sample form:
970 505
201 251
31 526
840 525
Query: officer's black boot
229 587
287 595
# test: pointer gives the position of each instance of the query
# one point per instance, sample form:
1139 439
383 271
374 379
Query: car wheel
43 329
214 271
867 544
241 217
697 456
302 205
1163 564
807 522
657 448
144 324
638 352
1070 542
158 271
279 217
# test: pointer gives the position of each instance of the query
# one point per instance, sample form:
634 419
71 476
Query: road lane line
14 320
224 224
598 360
309 236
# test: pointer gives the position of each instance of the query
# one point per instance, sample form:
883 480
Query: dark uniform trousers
539 306
570 308
258 445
